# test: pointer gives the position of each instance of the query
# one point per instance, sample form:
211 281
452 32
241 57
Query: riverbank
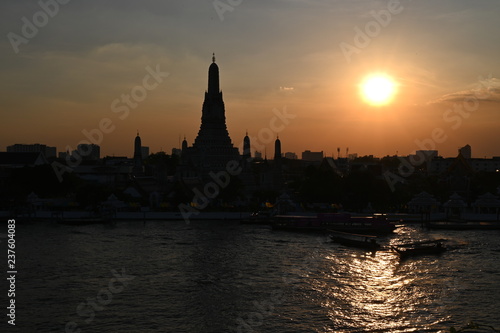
173 216
146 215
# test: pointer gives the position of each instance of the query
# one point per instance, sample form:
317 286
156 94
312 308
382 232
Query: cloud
287 89
486 90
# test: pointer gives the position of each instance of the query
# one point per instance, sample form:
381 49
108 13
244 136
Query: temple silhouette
212 149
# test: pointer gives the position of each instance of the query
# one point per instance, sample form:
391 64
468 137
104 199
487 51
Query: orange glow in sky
424 69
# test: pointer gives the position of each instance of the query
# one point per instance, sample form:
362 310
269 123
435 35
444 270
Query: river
220 276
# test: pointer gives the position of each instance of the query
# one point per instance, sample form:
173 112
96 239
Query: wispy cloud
486 90
287 89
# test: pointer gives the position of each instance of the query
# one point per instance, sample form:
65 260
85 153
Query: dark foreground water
226 277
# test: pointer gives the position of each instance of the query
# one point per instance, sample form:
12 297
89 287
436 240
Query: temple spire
212 148
213 77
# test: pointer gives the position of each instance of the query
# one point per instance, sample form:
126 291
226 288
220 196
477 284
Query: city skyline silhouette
56 89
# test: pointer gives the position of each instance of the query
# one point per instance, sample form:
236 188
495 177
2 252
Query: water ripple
225 277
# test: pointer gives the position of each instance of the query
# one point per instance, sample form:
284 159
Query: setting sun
378 89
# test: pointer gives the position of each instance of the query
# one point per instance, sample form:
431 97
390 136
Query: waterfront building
423 203
455 206
487 203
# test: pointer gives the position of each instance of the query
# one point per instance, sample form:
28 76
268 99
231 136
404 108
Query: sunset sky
305 56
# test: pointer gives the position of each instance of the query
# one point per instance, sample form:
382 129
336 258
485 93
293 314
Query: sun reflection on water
376 292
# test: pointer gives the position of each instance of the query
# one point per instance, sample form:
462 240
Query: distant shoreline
151 215
236 216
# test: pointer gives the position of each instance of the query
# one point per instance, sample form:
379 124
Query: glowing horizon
65 79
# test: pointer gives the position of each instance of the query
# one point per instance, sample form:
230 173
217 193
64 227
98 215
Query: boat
367 242
322 223
420 248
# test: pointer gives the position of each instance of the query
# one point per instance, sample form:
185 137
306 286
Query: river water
225 277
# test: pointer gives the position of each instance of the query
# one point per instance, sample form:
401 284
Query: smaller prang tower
138 169
277 149
247 154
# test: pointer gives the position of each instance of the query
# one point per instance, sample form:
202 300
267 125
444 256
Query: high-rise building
212 148
34 148
87 152
466 151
